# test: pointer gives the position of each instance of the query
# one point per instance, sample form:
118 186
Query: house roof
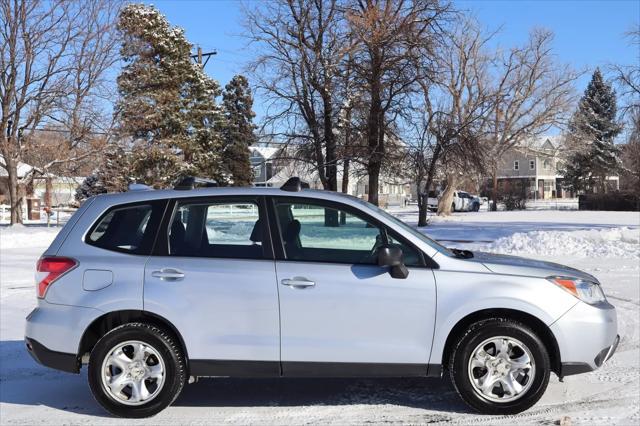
23 168
543 142
265 152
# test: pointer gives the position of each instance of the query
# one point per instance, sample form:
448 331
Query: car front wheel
136 370
500 366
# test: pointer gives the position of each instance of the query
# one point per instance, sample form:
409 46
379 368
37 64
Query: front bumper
571 368
587 336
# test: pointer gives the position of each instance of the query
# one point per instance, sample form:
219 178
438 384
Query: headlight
587 291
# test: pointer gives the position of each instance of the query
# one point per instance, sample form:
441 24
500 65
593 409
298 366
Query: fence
58 216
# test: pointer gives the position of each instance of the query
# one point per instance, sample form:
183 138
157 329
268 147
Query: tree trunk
330 146
345 188
15 198
494 189
375 128
374 175
48 185
422 214
345 176
444 205
422 210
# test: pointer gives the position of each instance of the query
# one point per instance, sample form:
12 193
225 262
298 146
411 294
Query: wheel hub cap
501 369
133 373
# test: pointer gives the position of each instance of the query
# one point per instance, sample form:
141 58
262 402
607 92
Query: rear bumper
587 336
52 359
59 327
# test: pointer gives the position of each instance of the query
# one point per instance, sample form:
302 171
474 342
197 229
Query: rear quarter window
130 228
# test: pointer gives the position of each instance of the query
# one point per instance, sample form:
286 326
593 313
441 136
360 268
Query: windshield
432 243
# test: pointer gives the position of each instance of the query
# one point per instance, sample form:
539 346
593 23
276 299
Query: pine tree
167 103
114 174
592 130
238 130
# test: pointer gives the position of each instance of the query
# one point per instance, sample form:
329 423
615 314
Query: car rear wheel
136 370
499 366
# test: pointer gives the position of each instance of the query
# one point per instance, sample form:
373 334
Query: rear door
341 313
212 275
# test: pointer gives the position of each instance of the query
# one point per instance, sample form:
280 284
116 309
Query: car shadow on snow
425 393
24 382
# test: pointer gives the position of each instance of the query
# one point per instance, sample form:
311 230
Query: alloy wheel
501 369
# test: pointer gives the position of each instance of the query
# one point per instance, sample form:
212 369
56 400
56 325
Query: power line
68 131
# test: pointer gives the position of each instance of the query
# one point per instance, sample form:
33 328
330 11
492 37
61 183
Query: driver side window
316 233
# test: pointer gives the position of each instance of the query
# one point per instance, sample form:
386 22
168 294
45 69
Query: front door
341 314
213 277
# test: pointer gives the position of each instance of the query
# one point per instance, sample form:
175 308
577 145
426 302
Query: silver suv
153 289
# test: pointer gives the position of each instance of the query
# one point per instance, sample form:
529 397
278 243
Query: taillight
50 269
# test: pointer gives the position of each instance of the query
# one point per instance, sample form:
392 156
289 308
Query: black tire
164 343
474 336
476 207
453 207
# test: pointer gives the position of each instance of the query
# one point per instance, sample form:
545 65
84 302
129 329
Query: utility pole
199 56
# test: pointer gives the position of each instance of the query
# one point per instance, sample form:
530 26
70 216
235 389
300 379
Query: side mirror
391 256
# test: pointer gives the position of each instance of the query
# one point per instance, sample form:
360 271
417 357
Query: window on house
532 164
546 164
516 165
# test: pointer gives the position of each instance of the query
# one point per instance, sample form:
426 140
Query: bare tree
419 157
391 37
53 67
302 47
628 78
631 152
455 108
532 95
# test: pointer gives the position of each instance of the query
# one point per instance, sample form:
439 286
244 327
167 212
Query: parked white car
462 201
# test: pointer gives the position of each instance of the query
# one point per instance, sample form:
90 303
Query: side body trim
230 368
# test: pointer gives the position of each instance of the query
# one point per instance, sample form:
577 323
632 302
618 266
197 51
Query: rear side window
227 229
127 229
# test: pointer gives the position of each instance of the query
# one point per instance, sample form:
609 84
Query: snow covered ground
605 244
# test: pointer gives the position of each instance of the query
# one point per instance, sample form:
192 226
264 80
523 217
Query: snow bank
612 242
19 236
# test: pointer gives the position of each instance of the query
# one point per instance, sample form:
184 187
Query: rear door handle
298 282
168 274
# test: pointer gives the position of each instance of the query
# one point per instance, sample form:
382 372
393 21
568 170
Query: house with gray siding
263 163
537 165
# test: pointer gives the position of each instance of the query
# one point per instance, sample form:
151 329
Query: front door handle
168 274
298 282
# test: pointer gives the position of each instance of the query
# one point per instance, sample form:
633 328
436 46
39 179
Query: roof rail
139 187
294 184
191 182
